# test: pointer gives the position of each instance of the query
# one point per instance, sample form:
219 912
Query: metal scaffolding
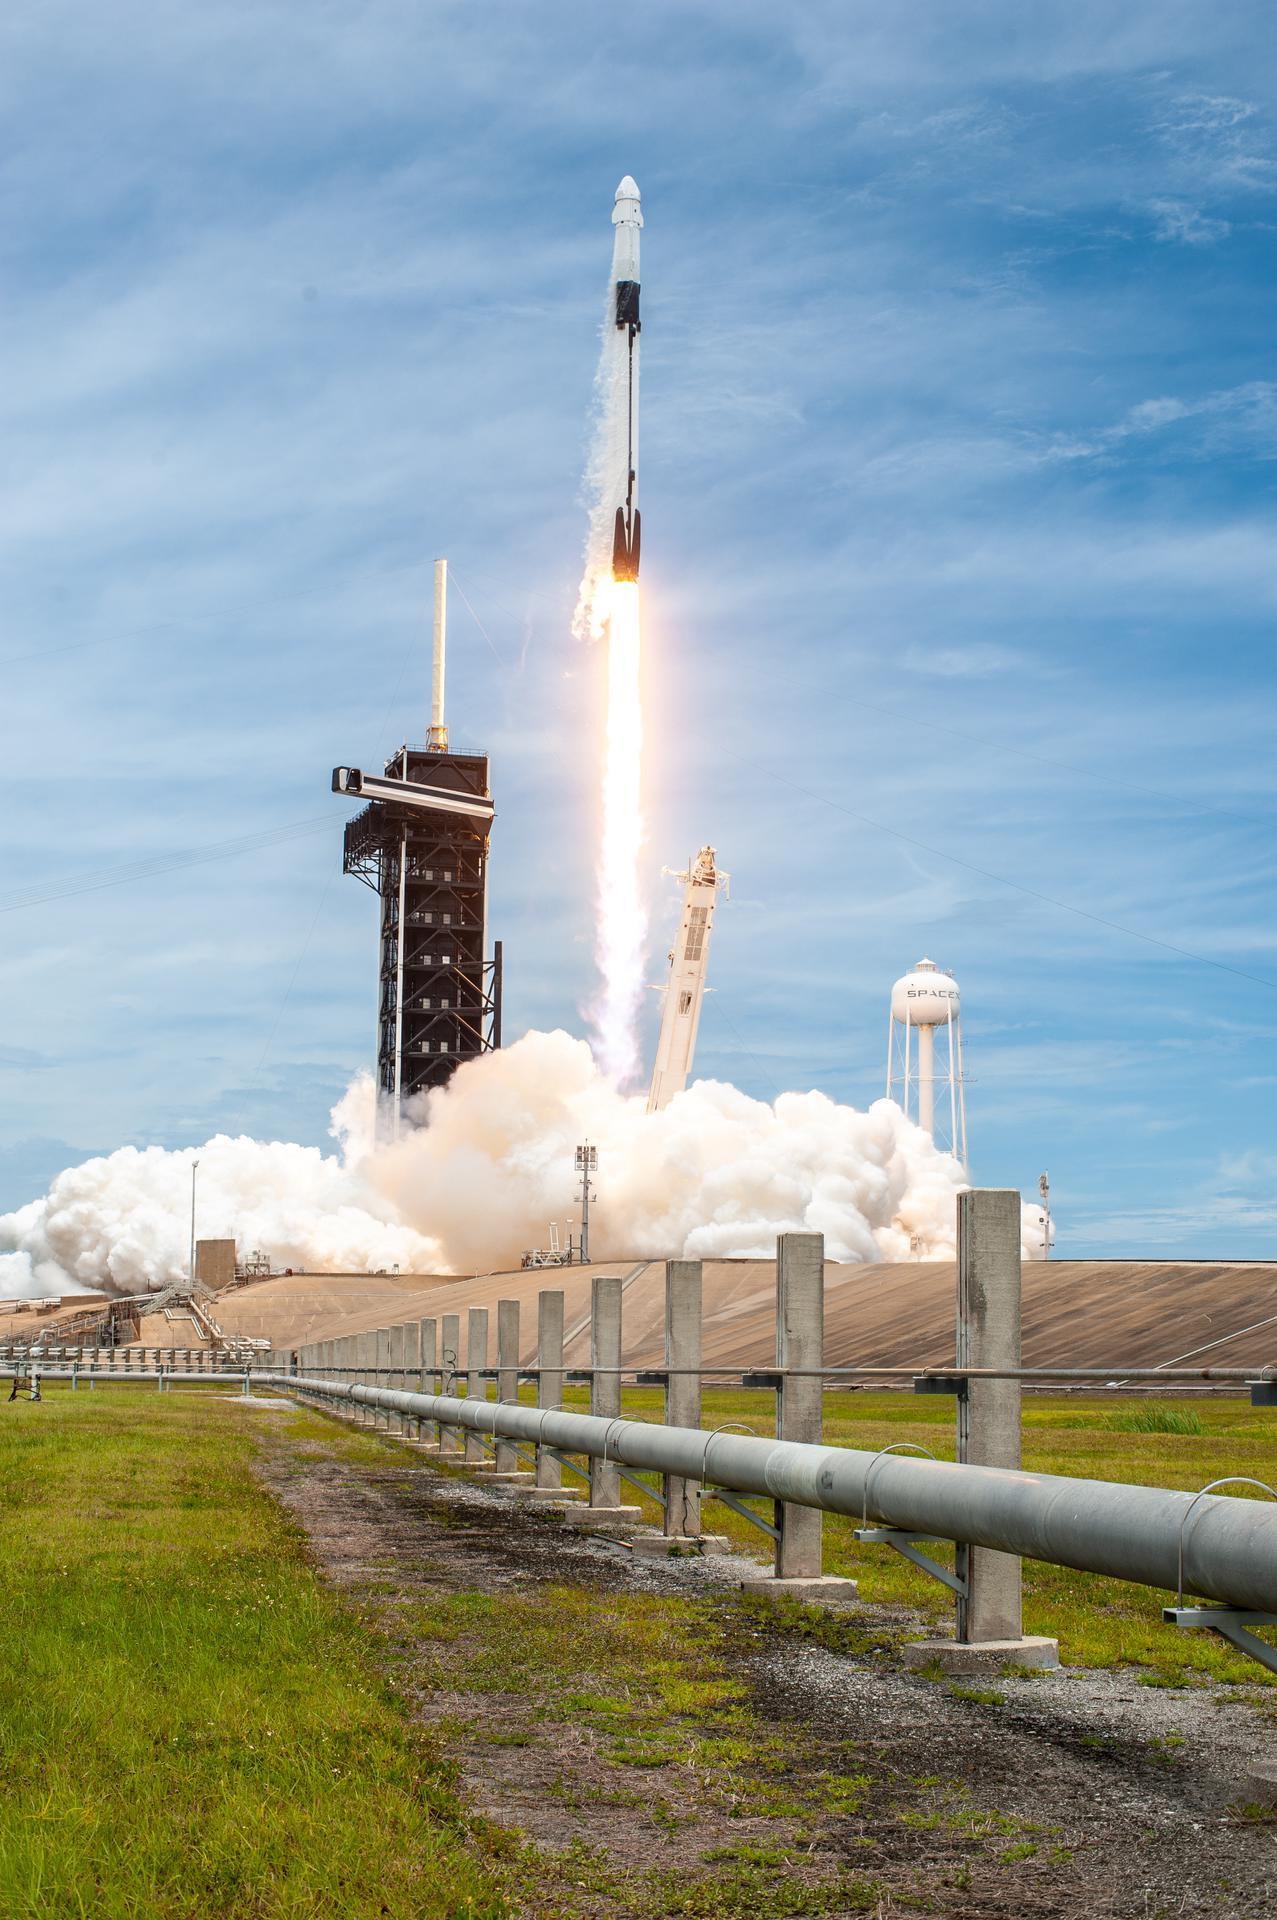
439 997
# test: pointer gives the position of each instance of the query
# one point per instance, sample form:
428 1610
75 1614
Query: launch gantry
689 961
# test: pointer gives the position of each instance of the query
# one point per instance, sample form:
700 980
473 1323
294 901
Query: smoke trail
608 610
713 1173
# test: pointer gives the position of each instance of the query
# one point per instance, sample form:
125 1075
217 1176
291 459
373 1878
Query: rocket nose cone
628 189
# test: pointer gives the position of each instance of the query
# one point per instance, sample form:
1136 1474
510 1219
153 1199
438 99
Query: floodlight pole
1044 1188
587 1159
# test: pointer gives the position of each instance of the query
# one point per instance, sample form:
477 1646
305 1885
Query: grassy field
1098 1622
192 1724
189 1723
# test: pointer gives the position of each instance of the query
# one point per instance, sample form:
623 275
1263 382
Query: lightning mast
689 960
421 845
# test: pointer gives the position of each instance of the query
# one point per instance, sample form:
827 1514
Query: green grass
1099 1622
189 1723
192 1724
1156 1419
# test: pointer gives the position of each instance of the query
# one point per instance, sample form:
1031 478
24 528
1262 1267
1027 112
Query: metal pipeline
1228 1546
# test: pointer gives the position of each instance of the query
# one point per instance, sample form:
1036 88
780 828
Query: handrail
1096 1526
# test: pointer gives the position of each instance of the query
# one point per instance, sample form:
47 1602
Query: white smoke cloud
714 1173
122 1222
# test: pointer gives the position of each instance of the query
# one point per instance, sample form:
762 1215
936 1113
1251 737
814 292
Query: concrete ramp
1076 1312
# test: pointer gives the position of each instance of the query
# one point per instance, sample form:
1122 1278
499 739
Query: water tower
923 1001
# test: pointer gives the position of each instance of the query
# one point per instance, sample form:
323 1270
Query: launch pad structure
685 989
421 845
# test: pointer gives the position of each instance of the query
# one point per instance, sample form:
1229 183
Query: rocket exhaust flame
608 608
622 929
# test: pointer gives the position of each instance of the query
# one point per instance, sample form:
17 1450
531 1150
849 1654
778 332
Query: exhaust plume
714 1173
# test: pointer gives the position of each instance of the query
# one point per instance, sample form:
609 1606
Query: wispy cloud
975 661
1176 221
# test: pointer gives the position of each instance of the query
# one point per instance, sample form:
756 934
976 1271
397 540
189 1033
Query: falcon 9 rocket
627 218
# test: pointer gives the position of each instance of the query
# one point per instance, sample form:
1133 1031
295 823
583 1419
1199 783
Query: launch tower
689 961
421 844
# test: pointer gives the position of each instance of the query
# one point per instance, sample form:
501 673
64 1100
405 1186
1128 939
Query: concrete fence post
682 1387
682 1521
476 1387
450 1361
800 1342
990 1628
506 1460
365 1357
412 1371
798 1568
394 1380
390 1361
549 1473
988 1335
372 1376
428 1349
605 1399
383 1372
365 1349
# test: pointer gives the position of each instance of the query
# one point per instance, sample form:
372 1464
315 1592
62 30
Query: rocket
627 218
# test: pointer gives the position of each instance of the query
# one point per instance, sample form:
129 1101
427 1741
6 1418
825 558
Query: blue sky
959 427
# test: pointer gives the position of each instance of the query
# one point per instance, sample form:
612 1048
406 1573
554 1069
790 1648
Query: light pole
1044 1188
587 1159
194 1166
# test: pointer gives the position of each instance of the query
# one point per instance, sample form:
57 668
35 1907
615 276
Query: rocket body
627 220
